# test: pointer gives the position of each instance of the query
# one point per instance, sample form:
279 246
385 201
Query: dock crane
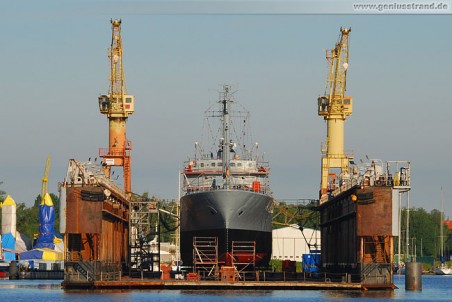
117 105
335 107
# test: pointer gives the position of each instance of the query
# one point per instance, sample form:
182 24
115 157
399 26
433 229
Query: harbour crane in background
45 178
117 105
335 107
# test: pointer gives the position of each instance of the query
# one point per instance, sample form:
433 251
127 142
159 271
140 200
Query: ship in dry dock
227 201
225 217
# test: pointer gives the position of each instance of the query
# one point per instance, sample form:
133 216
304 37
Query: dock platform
127 283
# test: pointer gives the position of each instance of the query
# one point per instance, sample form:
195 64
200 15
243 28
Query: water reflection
371 294
39 284
227 293
434 288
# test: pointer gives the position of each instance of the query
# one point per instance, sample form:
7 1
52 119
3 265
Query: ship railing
293 276
394 173
398 173
116 152
216 167
90 174
195 189
348 185
119 152
350 154
372 273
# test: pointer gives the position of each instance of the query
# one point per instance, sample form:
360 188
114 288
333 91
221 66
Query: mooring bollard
413 276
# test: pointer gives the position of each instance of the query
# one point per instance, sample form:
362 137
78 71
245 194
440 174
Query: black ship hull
228 215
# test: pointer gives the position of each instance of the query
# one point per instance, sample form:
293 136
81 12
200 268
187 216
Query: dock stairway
376 267
379 253
86 269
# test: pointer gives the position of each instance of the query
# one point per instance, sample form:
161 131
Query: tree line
424 234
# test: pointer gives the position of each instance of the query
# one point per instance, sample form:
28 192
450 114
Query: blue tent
8 241
31 254
9 244
42 254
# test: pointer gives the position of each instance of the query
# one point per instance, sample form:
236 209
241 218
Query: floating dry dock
228 279
108 231
158 284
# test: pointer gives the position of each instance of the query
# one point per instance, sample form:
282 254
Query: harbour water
434 288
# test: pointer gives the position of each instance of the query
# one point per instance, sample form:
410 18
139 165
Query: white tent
290 243
9 216
23 243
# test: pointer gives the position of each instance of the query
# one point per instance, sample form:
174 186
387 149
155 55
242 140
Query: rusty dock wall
97 227
356 234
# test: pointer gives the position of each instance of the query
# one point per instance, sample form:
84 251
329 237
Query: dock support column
413 276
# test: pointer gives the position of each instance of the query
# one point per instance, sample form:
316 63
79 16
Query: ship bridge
207 174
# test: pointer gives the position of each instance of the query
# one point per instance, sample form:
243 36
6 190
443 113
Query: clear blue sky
54 66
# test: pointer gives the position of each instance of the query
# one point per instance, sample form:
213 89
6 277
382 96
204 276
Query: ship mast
117 105
441 221
335 108
225 144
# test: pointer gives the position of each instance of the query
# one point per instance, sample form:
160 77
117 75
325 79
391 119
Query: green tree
2 193
424 232
423 227
27 220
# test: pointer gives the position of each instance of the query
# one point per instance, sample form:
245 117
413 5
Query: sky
177 56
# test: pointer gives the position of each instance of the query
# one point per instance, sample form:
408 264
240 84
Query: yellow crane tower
335 108
45 178
117 105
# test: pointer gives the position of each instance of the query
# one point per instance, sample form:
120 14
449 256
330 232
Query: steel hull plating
230 216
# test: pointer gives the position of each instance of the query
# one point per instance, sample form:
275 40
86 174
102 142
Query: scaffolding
144 238
244 255
205 256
